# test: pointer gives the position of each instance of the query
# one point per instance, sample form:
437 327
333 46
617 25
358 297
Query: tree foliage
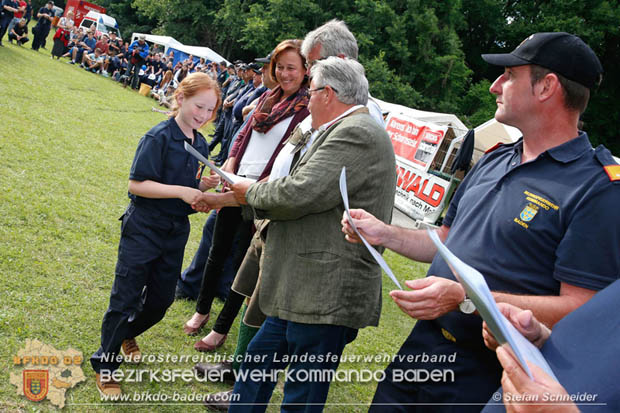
420 53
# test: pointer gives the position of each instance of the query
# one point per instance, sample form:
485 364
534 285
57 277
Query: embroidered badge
528 213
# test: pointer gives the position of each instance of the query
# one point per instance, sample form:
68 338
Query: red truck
80 9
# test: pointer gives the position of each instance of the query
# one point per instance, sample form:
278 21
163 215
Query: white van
102 22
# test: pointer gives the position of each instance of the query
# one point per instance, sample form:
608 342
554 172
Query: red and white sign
419 194
415 142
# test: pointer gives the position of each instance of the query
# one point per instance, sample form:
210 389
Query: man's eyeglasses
321 88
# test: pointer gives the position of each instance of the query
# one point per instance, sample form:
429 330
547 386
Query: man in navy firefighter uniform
538 218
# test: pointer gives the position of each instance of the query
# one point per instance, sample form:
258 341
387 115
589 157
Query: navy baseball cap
254 67
564 53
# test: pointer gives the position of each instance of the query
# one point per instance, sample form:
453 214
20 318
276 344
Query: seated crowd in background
129 63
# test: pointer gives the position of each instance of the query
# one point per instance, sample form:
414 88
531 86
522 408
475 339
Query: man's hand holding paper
524 321
370 227
429 298
518 388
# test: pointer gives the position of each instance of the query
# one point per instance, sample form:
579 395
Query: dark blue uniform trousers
464 386
150 256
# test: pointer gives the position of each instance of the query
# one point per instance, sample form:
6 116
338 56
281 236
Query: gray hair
335 39
344 75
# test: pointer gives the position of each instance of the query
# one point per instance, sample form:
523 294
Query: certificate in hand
228 177
478 291
375 254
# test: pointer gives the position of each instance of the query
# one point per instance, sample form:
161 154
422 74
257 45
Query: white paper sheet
478 291
375 254
227 176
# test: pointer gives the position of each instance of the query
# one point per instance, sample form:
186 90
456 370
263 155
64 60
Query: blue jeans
278 339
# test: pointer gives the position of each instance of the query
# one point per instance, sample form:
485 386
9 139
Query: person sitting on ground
118 63
19 33
93 62
180 74
103 43
190 63
107 63
115 43
75 36
200 65
152 71
159 91
159 67
87 45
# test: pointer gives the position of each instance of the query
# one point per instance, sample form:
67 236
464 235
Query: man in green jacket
316 288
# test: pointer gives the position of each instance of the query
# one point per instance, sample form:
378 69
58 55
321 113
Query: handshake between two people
231 195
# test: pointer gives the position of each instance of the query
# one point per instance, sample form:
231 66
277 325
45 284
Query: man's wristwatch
467 306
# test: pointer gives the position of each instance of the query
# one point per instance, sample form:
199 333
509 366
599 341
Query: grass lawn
66 144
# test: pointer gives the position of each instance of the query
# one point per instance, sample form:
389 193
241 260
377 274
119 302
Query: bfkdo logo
36 384
43 372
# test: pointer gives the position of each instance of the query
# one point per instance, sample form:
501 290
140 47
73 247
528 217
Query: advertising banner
415 142
419 194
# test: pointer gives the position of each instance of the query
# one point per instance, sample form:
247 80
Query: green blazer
309 272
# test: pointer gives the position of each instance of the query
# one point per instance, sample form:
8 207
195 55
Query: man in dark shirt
19 33
42 29
28 12
9 8
544 206
115 43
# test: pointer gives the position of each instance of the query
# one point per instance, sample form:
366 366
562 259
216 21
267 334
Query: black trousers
4 25
40 33
228 224
136 78
218 135
150 256
22 41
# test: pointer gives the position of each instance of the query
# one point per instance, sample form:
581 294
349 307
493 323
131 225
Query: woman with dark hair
181 73
277 113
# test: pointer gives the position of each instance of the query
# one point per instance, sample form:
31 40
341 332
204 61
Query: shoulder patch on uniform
492 148
613 171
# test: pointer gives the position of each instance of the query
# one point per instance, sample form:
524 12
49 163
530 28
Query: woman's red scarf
270 110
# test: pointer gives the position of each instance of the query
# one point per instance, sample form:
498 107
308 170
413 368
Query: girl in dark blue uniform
163 181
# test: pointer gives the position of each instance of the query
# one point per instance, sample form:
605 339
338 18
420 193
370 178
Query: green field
67 138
